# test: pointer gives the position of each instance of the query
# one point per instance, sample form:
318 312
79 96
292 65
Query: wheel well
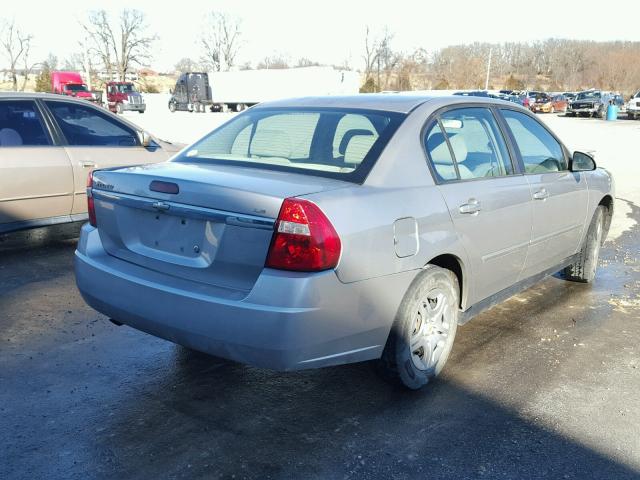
607 202
451 262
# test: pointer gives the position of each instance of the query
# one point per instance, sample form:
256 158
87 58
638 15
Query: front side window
475 141
83 125
21 125
540 152
341 143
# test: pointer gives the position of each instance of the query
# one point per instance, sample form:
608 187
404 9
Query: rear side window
83 125
21 125
540 152
471 146
337 143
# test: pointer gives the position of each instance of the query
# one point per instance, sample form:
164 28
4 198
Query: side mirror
582 162
145 139
171 91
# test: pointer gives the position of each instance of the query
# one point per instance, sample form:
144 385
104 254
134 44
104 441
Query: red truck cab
70 83
122 96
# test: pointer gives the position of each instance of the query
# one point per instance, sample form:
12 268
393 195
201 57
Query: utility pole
486 82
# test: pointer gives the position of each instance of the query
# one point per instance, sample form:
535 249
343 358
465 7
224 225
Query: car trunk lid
215 229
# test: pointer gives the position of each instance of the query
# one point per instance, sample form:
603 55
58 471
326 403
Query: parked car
590 103
633 106
473 93
48 145
321 231
569 96
529 98
549 103
123 96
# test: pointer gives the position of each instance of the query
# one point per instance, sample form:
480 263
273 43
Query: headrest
459 147
348 135
10 138
271 143
358 147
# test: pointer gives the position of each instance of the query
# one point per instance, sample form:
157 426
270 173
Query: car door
559 197
489 202
95 138
36 180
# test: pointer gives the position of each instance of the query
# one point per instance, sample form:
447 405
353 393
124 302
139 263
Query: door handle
541 194
473 206
88 164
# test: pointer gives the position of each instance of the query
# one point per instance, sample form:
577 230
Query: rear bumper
288 321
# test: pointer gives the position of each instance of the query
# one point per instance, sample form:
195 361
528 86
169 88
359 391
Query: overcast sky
329 31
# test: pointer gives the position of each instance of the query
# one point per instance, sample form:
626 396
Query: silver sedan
321 231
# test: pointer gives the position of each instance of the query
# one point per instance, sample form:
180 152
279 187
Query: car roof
400 102
42 95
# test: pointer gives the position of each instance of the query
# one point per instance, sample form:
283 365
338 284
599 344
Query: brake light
304 239
91 208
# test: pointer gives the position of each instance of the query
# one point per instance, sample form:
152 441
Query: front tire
422 335
584 269
119 108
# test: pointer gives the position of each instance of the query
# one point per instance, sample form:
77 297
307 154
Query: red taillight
91 208
304 239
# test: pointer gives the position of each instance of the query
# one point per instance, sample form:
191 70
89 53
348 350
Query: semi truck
192 92
123 96
71 84
237 90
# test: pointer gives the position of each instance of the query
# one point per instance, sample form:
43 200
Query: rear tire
424 329
172 107
584 269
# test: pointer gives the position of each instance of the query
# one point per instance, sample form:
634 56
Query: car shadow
215 419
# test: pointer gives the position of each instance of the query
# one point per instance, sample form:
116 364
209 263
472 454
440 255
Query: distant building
129 76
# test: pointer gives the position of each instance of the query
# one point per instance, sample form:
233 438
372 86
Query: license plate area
176 239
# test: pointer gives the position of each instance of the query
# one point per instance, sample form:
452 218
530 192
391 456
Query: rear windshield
336 143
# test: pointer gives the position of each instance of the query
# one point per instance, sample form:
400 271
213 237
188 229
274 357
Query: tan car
48 146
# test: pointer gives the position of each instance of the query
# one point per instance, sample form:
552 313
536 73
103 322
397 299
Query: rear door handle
541 194
473 206
88 164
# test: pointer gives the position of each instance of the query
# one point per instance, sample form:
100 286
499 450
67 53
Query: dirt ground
543 386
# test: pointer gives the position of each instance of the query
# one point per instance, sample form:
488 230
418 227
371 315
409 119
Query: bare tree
378 56
100 36
275 61
186 64
221 41
16 46
120 47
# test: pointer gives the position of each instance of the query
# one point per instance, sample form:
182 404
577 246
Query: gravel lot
543 386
